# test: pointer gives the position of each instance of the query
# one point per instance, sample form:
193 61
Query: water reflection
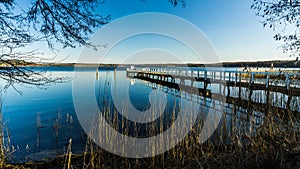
40 123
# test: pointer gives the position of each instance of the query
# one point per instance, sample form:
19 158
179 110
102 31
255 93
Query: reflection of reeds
274 144
6 149
268 143
239 141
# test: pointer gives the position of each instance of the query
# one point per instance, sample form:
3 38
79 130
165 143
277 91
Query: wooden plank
182 76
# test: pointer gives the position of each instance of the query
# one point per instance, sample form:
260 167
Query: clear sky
230 25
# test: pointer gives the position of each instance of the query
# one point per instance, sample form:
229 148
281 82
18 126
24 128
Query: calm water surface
39 123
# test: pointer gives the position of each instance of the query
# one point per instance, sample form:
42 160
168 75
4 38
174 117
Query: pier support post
252 78
267 81
228 91
236 74
267 102
287 81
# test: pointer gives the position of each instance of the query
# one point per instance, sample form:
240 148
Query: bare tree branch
66 22
283 15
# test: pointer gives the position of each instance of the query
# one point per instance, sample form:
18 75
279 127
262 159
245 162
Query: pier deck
196 82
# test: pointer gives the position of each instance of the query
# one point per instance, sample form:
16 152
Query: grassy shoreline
259 153
275 144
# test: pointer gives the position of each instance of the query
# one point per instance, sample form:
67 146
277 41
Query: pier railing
227 81
280 79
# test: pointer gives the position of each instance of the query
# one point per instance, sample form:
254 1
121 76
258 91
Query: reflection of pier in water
253 91
207 102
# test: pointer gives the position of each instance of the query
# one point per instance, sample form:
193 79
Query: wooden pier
196 81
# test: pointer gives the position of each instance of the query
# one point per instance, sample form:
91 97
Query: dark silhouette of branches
283 15
65 22
68 22
176 2
19 71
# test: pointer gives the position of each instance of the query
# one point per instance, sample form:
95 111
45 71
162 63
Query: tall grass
273 143
238 142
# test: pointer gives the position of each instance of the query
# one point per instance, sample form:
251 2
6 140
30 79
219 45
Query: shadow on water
43 122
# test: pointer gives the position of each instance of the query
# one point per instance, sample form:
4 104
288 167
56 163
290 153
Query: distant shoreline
260 64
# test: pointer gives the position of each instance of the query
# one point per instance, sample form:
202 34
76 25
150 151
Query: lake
39 122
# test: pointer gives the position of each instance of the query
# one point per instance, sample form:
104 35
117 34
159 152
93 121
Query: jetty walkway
197 81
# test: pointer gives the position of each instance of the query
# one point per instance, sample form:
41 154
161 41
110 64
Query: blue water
52 105
38 123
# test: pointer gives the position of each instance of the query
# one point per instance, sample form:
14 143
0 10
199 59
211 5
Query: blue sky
230 25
